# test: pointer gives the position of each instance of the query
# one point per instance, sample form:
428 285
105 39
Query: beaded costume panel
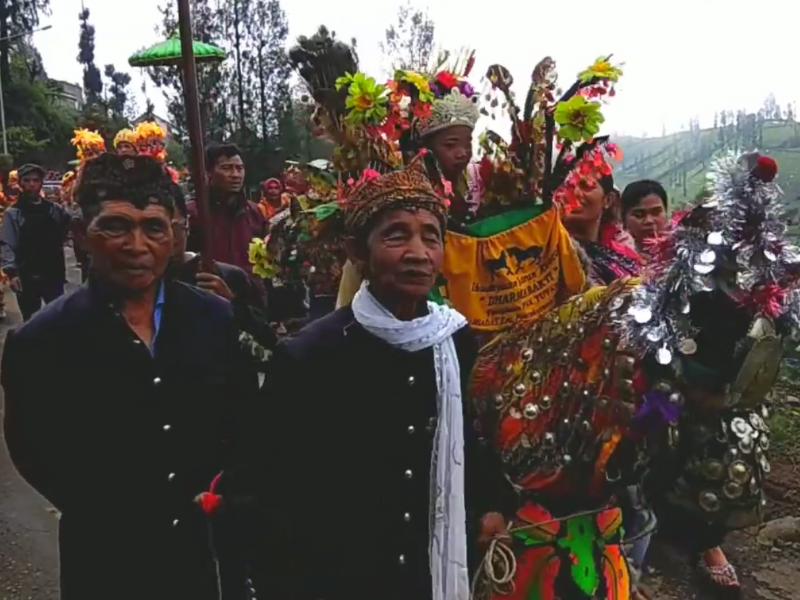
559 394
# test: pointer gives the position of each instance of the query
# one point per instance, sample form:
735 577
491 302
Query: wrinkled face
273 190
403 255
31 184
593 201
228 174
129 246
452 148
126 149
647 219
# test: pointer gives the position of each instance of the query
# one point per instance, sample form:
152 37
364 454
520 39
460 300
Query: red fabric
231 233
610 236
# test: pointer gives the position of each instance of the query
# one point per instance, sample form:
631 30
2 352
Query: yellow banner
517 274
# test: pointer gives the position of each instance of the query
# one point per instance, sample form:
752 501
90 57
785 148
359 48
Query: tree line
248 99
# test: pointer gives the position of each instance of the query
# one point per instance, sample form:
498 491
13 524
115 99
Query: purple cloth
659 407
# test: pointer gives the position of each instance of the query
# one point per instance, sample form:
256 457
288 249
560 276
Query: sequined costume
667 373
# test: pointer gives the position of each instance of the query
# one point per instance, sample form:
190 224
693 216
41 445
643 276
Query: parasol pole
195 132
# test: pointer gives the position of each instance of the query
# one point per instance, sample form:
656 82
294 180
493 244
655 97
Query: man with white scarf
376 486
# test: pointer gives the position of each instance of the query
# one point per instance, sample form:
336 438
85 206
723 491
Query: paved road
28 524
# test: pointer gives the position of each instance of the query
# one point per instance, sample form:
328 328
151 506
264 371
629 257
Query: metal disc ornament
703 269
708 257
641 314
664 356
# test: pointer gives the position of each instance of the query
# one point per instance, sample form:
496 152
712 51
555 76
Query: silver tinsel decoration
733 241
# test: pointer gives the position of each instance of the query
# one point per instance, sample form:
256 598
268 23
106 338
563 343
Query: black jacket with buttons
121 440
348 437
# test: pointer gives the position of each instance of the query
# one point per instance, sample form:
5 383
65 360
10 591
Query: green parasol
168 54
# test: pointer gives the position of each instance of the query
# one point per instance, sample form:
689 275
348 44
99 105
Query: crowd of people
496 377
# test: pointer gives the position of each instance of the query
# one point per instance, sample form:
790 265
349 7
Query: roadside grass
784 418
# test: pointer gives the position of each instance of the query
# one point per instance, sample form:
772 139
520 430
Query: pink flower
370 174
447 186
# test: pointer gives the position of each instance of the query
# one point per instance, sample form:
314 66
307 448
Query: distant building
68 95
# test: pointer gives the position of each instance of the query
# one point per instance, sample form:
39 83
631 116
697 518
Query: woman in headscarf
271 197
407 495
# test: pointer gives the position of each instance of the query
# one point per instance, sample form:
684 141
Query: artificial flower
447 80
418 81
578 119
370 174
258 256
601 69
447 187
366 99
466 89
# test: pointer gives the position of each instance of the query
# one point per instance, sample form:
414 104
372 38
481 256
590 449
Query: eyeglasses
116 226
181 225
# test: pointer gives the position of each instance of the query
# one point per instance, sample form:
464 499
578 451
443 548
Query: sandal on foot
722 578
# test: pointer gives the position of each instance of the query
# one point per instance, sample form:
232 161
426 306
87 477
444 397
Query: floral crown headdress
733 244
454 99
149 139
125 136
528 167
88 144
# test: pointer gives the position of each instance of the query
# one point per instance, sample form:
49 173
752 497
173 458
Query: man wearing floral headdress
440 491
125 142
88 144
149 139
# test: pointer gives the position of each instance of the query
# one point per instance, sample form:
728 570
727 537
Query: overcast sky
683 58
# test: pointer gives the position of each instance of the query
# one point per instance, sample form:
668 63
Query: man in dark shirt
32 244
145 392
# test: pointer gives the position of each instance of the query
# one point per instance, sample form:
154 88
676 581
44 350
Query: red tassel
209 502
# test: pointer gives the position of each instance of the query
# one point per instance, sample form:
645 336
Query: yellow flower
601 69
362 101
418 81
259 257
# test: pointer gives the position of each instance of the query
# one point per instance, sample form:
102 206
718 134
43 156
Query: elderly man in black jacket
376 485
140 406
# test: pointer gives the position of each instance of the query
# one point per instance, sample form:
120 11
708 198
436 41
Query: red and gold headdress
150 140
410 187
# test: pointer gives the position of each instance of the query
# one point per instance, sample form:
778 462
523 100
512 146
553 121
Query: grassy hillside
680 160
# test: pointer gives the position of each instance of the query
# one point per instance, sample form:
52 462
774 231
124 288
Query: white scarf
448 517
